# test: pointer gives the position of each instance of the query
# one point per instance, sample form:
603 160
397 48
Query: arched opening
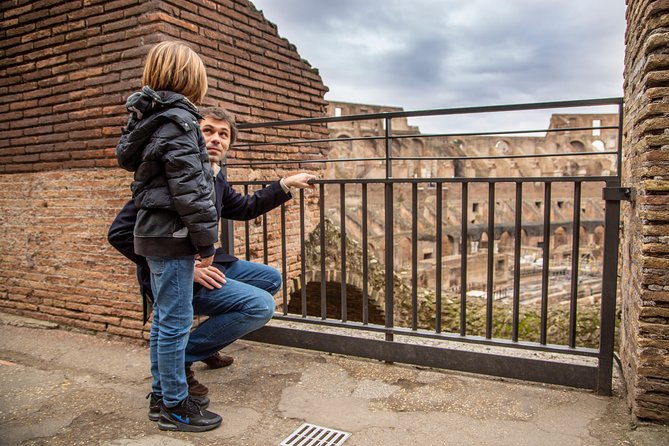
333 303
577 146
560 237
598 236
447 246
505 242
484 240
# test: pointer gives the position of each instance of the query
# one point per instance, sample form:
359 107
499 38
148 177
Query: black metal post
516 261
546 259
464 242
342 206
389 236
609 290
303 260
575 260
491 260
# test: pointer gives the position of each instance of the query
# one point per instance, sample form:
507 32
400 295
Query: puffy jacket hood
148 111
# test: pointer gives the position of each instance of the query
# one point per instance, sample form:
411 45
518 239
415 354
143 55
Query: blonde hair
173 66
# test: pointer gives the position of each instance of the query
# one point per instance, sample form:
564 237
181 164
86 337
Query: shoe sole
171 425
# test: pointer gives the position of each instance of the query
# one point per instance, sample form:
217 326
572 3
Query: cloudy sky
425 54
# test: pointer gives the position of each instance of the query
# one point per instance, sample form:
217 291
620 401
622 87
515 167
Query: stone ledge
19 321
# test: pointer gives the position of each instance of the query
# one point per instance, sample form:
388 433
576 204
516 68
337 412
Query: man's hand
204 263
300 181
209 277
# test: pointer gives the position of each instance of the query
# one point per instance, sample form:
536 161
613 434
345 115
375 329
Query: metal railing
447 351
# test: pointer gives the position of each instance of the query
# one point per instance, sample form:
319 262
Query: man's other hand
300 181
209 277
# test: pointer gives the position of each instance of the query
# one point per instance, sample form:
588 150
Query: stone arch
594 168
447 246
582 237
599 145
571 168
577 145
354 301
503 146
506 242
484 241
560 237
403 252
598 236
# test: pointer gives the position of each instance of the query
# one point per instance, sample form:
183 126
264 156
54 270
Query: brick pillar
66 68
644 346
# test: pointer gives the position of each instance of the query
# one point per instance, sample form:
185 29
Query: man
236 295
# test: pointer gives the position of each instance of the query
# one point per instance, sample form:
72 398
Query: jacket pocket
158 223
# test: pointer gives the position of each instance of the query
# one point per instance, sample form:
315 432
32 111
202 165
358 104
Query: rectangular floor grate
312 435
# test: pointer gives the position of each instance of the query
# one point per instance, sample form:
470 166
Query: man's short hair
223 115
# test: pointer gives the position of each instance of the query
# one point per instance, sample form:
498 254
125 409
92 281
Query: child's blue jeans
172 284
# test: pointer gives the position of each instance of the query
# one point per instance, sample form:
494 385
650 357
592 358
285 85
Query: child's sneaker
187 416
156 401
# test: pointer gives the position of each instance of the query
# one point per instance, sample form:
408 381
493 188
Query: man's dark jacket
230 205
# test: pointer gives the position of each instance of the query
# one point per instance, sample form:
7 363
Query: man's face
217 136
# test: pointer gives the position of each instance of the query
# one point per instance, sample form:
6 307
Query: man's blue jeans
172 284
243 304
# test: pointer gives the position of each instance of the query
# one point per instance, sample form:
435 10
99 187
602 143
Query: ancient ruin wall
645 245
66 68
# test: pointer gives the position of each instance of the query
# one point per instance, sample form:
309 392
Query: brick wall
66 68
645 246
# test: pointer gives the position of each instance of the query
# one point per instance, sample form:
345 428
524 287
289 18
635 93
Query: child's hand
205 262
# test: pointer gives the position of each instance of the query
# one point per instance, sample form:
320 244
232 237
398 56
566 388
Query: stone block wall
66 68
644 345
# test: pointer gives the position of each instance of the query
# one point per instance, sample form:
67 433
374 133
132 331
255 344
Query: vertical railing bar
247 231
342 206
464 245
575 260
414 256
265 254
323 253
609 289
546 256
619 163
516 261
303 260
284 265
389 235
491 258
439 227
365 259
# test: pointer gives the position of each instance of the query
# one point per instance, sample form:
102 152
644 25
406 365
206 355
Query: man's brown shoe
195 388
217 360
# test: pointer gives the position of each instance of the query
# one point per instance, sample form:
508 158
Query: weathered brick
63 165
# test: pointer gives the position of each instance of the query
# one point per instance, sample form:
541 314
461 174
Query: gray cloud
444 53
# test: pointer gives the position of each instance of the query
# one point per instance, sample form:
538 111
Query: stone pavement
60 387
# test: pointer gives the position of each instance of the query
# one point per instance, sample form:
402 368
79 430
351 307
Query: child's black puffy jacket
173 182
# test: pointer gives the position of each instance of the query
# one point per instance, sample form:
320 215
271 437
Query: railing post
612 194
389 257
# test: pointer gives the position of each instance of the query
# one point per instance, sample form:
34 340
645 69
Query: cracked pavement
62 387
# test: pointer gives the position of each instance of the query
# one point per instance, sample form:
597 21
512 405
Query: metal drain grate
312 435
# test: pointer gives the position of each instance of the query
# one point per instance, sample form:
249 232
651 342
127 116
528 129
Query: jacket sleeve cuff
285 188
206 251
